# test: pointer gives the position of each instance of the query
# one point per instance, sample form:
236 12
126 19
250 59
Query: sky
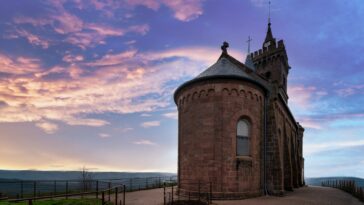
90 82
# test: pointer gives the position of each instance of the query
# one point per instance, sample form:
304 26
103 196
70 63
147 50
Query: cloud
104 135
172 115
184 10
71 58
350 90
19 65
47 127
145 115
125 82
31 38
310 149
144 142
305 99
72 29
150 124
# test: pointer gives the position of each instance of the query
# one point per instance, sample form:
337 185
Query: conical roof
226 67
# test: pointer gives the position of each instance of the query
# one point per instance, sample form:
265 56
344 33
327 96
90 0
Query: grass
61 202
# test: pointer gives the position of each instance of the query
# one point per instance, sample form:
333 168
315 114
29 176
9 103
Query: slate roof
227 67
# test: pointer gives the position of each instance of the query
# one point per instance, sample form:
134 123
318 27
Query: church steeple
269 36
269 39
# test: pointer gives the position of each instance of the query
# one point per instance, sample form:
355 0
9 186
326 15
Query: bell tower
271 62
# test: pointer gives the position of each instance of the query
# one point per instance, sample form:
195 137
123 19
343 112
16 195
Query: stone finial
224 47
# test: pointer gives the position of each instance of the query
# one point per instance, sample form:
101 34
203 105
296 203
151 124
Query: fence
16 189
201 193
348 186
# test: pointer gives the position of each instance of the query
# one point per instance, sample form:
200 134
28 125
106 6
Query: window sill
244 158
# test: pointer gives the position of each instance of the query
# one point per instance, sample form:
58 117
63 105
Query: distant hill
70 175
317 181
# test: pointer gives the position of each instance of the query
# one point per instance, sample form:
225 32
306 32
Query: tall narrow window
242 138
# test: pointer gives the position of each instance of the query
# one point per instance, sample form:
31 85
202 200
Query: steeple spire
269 36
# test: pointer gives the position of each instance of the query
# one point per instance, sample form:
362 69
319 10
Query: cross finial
248 41
269 12
224 47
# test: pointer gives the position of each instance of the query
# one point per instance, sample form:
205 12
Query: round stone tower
220 131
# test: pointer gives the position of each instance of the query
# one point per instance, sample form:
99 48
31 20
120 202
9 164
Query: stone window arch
243 138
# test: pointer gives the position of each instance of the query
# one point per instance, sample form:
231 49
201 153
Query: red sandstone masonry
208 115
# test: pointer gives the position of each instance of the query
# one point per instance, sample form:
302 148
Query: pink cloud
141 29
120 83
105 30
20 65
184 10
31 38
48 127
304 97
72 58
144 142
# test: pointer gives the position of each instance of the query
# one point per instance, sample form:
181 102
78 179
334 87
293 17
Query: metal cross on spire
248 41
269 12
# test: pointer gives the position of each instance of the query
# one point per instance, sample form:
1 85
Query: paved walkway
304 196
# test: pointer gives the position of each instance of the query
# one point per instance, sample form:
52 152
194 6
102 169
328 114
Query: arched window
243 138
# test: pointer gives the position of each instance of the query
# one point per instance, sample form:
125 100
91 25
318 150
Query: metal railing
201 192
107 192
16 189
104 190
348 186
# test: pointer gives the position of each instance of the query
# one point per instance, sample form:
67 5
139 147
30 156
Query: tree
86 179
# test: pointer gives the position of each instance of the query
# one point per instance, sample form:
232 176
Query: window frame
248 138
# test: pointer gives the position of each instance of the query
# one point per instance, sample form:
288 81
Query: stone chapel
235 128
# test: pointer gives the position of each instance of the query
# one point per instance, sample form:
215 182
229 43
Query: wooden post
30 202
116 195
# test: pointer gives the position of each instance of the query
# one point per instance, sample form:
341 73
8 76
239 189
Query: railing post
146 183
164 193
172 194
30 202
103 198
66 189
55 188
97 189
116 195
109 191
21 189
131 184
34 189
124 188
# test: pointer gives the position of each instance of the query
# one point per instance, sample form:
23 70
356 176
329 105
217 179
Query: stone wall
208 116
